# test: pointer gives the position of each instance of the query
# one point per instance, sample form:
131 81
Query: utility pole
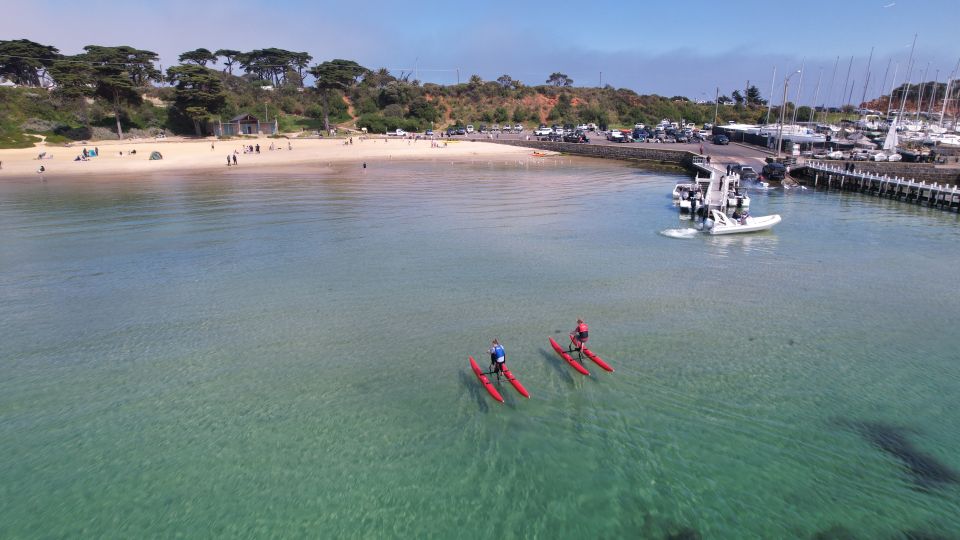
458 76
716 108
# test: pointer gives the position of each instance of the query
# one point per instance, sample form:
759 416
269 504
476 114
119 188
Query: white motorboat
679 189
737 200
726 225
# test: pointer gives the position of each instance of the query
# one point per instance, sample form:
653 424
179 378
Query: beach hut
244 124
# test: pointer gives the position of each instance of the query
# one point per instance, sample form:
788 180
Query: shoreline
115 157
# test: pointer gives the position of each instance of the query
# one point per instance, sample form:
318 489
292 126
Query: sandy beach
118 157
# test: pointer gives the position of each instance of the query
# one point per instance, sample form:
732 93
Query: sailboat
890 144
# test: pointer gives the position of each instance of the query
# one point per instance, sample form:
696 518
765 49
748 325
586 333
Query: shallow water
284 354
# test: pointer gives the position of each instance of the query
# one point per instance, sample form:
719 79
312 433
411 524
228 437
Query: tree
737 97
505 81
74 83
559 79
118 73
299 61
229 58
199 57
753 96
723 100
199 93
25 62
335 75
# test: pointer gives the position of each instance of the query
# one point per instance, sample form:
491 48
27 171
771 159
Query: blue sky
665 47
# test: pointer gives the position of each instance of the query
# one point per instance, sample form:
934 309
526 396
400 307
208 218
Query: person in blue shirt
498 357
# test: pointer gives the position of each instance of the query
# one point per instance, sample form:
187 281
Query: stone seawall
921 172
679 158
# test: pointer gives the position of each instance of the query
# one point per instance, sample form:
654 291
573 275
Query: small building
245 124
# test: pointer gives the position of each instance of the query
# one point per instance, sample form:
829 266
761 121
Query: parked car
836 154
461 131
681 138
721 139
483 128
469 128
542 131
518 128
640 134
577 137
773 171
428 133
860 156
747 173
495 128
398 133
615 136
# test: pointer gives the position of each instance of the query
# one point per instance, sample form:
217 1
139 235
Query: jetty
833 177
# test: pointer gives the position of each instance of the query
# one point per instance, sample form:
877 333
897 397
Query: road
721 154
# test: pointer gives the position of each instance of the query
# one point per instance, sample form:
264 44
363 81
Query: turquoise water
243 354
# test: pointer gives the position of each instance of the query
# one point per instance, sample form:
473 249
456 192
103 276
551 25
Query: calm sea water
283 354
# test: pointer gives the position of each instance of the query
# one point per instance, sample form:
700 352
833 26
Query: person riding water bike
580 335
498 358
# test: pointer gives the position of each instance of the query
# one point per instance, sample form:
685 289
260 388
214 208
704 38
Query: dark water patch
926 470
557 363
837 532
684 533
923 535
474 388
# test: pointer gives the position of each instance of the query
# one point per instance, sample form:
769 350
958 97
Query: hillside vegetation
107 92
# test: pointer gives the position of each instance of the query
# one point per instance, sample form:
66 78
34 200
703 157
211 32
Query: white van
469 128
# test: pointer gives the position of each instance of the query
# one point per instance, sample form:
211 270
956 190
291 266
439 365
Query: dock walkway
933 195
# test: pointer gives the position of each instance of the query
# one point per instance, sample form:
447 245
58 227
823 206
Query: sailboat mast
893 81
866 75
796 98
773 80
816 96
826 98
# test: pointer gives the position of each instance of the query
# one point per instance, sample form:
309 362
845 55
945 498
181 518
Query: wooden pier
933 195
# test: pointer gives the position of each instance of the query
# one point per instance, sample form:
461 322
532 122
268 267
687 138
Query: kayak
596 359
566 356
485 381
516 384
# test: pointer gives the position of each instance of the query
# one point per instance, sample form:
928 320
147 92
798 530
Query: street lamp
783 110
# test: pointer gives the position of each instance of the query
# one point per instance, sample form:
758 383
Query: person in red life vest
498 357
580 335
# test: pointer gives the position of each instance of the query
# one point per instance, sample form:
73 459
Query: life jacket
498 353
583 331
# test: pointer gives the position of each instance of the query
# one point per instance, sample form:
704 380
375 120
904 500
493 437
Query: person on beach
257 148
498 357
228 160
234 159
580 335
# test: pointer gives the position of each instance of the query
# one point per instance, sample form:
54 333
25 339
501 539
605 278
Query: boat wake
684 234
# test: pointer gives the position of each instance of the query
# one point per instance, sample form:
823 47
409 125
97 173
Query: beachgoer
42 169
211 147
580 335
289 145
234 159
228 160
257 148
498 357
364 165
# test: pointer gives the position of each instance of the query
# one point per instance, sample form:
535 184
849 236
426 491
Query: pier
934 195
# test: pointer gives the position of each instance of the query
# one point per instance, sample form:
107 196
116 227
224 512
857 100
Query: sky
665 47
